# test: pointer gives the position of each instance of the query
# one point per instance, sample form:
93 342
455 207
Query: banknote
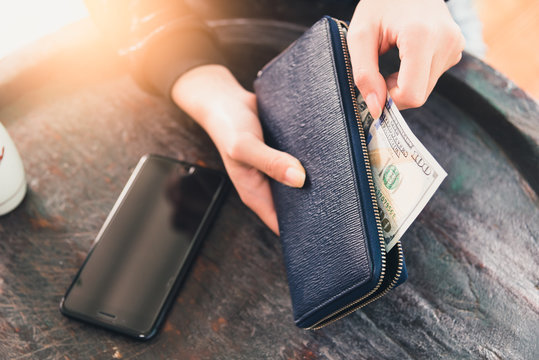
405 174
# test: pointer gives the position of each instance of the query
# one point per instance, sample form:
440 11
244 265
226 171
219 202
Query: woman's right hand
429 43
212 96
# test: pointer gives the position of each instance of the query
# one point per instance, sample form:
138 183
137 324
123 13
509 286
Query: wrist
211 95
203 91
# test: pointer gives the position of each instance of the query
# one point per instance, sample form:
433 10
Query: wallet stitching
310 312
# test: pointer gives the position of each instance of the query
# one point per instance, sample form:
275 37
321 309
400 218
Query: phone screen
144 246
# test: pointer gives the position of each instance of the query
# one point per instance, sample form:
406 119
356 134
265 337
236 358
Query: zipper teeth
372 192
365 153
391 286
395 279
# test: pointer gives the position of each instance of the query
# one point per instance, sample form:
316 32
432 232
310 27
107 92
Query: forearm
162 39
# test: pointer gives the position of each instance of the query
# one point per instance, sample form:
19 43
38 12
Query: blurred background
25 21
510 31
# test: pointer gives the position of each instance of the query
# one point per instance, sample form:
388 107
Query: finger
408 87
437 70
260 200
447 57
363 44
278 165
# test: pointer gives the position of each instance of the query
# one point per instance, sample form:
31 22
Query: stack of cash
405 174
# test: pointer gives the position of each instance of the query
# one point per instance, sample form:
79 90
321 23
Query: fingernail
373 105
294 177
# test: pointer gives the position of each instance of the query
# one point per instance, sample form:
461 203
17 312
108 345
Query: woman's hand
429 43
212 96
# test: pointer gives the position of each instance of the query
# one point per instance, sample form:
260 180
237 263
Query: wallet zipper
364 300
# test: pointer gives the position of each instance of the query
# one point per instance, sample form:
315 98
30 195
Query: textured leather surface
324 230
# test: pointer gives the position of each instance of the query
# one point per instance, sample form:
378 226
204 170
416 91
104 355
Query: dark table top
81 124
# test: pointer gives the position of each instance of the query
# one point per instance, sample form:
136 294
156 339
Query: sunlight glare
25 21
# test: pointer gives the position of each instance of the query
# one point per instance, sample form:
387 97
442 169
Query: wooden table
81 124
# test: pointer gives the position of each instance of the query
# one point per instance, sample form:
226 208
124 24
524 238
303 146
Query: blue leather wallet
331 236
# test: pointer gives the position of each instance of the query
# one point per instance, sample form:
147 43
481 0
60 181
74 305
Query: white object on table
12 178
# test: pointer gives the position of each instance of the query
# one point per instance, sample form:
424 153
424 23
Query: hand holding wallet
331 235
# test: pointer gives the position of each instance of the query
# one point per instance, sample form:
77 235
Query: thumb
276 164
363 45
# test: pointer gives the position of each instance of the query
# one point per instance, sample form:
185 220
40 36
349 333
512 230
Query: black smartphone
143 251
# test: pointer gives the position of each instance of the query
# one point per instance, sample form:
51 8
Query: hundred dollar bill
405 174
